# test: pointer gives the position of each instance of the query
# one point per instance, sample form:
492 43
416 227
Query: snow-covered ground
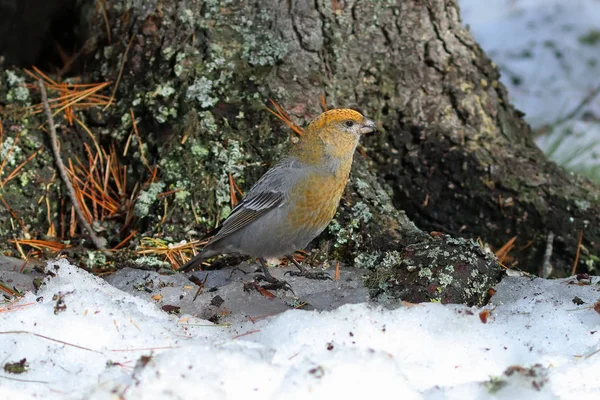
102 343
549 54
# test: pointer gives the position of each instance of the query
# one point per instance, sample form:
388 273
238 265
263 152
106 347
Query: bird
296 199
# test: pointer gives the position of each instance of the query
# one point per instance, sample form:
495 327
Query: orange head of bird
334 134
343 121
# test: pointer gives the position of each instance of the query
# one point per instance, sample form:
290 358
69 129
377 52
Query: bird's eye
349 124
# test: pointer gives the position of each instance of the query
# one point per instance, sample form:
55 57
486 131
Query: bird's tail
195 261
207 252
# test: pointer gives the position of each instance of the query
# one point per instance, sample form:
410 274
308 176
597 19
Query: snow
536 344
548 54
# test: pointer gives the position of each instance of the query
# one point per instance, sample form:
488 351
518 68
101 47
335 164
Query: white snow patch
427 351
547 64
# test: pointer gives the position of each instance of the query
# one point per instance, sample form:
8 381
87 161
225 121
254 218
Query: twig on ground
546 266
574 270
98 242
49 338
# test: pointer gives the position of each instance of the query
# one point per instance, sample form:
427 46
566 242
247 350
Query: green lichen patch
17 367
495 384
442 269
17 91
146 198
345 229
151 262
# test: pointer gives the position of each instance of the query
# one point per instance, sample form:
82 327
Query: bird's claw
273 283
319 275
278 285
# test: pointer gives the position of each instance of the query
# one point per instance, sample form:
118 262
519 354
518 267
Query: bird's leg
266 273
306 273
274 283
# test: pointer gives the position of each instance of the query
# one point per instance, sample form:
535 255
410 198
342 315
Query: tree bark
452 152
470 167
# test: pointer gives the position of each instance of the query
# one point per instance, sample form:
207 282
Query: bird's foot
319 275
272 283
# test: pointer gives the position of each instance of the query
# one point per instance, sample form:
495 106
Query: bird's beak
367 126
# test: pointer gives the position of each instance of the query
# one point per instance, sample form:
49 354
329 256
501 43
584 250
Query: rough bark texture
452 152
469 166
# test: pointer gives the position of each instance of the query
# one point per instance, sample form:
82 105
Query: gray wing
271 191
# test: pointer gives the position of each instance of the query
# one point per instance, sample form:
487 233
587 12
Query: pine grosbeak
294 201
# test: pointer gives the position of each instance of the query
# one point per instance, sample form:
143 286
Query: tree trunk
469 165
452 152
